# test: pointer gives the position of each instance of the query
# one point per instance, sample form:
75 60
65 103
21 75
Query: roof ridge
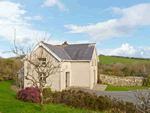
77 44
52 45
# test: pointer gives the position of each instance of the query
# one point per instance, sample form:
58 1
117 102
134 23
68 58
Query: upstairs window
42 75
42 61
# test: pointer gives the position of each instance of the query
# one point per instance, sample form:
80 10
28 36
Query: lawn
109 59
9 103
123 88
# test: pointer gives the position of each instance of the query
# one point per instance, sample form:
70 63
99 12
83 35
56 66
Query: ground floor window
42 75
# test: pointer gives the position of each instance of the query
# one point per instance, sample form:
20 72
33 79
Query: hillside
13 58
112 59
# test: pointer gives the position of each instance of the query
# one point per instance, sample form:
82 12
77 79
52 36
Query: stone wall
121 81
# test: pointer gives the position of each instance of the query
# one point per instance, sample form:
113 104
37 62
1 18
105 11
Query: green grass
109 59
123 88
9 103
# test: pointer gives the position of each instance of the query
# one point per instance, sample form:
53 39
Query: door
67 79
94 77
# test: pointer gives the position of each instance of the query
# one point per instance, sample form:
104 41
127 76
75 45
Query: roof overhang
53 54
45 47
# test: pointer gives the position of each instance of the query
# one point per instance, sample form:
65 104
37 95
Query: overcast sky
118 27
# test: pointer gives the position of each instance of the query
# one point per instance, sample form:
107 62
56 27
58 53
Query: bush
9 69
56 97
104 103
29 94
105 83
148 81
99 81
77 99
47 94
123 70
84 100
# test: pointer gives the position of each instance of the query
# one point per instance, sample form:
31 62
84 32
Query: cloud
12 17
34 18
12 11
127 50
137 15
51 3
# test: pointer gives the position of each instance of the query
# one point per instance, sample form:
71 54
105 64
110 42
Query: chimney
65 43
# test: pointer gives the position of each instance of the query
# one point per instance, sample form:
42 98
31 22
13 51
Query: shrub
77 99
123 70
104 103
126 71
29 94
132 72
9 69
119 73
99 81
84 100
144 82
105 83
47 94
148 81
56 97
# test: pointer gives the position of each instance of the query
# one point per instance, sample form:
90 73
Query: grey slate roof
79 51
58 51
73 51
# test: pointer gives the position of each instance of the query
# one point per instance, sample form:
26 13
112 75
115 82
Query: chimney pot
65 43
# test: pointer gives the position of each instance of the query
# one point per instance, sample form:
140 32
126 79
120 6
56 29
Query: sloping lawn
9 103
109 59
123 88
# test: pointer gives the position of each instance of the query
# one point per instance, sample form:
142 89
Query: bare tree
37 63
39 66
142 97
142 100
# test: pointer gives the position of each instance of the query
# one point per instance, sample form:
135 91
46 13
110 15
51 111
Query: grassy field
109 59
125 88
9 103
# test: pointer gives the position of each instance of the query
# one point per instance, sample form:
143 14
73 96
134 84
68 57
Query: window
42 75
42 61
95 62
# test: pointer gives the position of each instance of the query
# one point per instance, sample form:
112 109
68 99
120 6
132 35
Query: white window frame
42 62
42 75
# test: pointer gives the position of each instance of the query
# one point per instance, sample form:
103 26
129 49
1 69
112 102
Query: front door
94 77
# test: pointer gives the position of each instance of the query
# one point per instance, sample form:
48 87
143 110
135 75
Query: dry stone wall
121 81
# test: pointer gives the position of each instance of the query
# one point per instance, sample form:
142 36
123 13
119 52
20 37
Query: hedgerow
77 99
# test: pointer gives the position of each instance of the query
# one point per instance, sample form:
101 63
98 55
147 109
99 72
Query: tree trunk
20 85
41 99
